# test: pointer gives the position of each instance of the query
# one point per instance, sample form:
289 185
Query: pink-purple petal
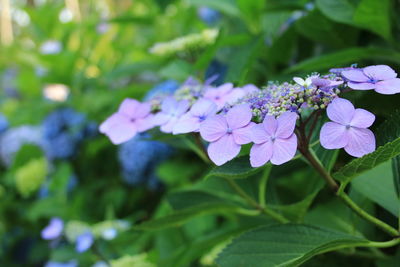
169 105
234 95
169 126
223 150
243 135
388 87
270 125
284 150
259 135
186 124
203 107
355 75
361 86
341 111
142 110
286 124
361 142
239 116
213 128
129 107
362 118
380 72
260 154
181 108
120 133
333 135
113 120
144 124
160 118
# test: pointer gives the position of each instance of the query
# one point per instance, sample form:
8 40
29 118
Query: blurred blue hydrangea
208 15
84 242
139 158
216 72
3 123
165 88
63 130
14 138
71 263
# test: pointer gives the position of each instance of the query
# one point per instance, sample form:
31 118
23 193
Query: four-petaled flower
200 111
131 118
171 111
227 133
382 78
224 94
348 129
325 84
274 140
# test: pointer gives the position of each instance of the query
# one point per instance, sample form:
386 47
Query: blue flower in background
3 123
162 89
208 15
53 230
139 158
84 242
63 130
71 263
216 72
14 138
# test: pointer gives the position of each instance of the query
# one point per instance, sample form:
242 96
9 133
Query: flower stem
262 187
320 169
342 195
273 214
351 204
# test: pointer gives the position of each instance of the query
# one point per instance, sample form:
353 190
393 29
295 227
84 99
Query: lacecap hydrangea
278 119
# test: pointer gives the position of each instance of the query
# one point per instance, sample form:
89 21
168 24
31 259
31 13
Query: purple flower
382 78
53 230
224 94
274 140
250 89
131 118
171 111
227 133
325 84
84 242
200 111
348 129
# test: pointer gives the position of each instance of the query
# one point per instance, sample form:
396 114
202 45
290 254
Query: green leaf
283 245
238 168
177 69
225 6
374 16
337 10
182 216
188 199
345 57
396 174
368 162
377 185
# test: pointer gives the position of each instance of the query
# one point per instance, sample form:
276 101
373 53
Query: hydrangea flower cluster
63 130
272 117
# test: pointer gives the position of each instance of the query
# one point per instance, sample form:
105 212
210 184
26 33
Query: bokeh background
66 65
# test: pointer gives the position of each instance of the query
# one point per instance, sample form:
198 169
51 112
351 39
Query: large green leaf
238 168
187 199
344 57
283 245
369 161
377 185
337 10
374 16
182 216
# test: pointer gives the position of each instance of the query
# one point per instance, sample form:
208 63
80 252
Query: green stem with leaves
340 192
267 211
